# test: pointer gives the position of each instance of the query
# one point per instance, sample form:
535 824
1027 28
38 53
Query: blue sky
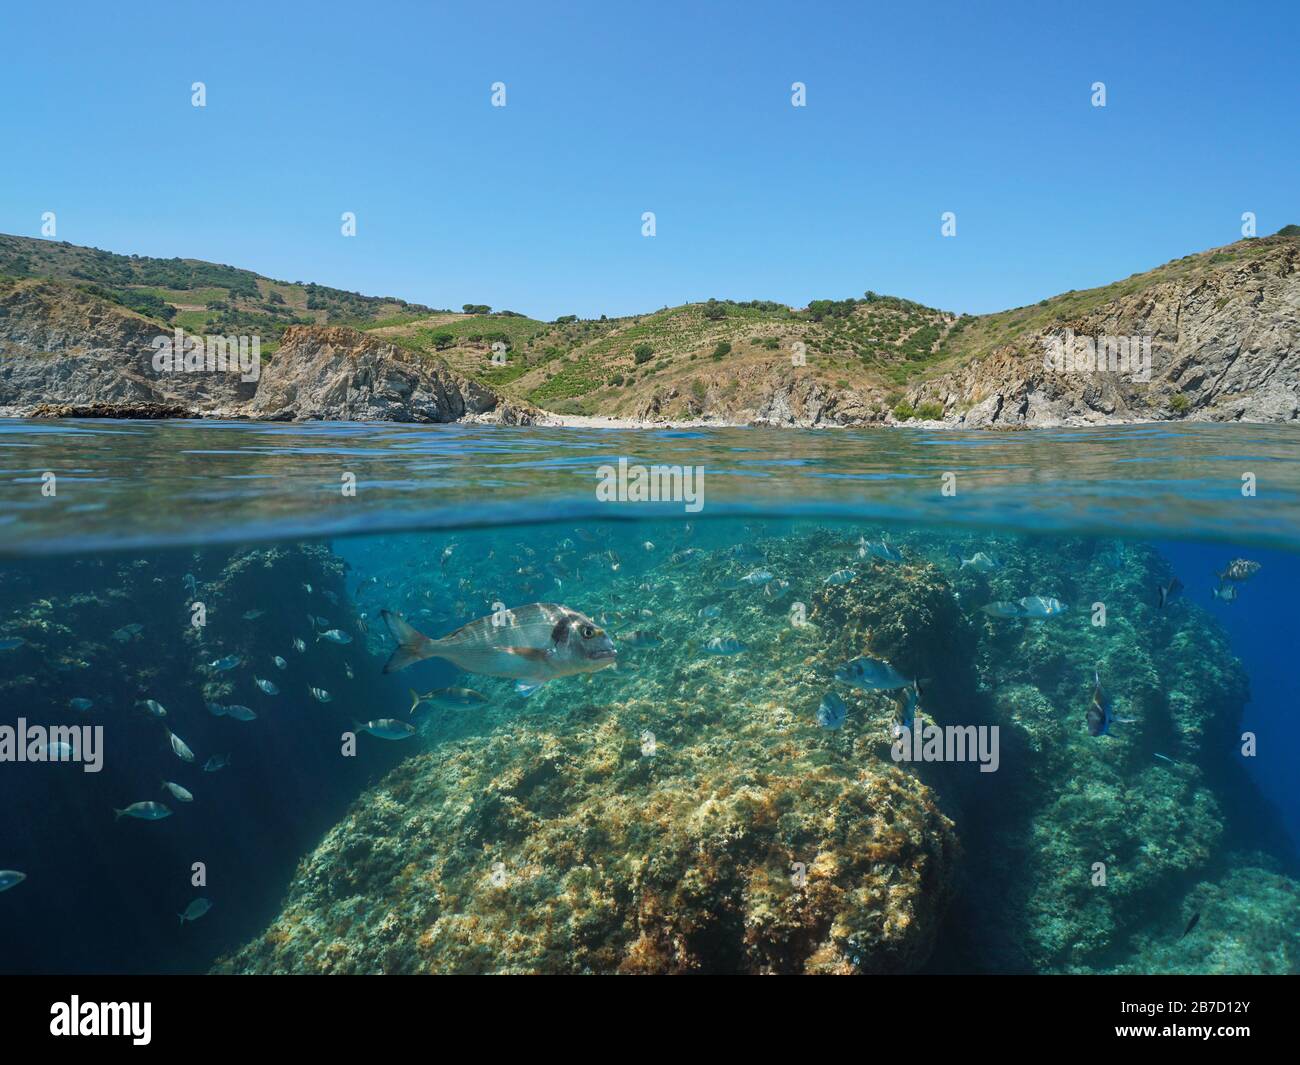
681 109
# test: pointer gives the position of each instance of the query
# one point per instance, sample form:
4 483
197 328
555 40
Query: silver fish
154 707
144 811
533 643
840 576
881 550
450 697
725 645
321 695
179 746
182 794
10 878
334 636
871 674
1003 610
81 705
266 686
195 910
832 712
1037 606
386 728
216 762
240 713
981 563
280 663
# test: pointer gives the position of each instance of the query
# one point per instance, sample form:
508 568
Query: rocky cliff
66 352
60 345
1224 346
336 373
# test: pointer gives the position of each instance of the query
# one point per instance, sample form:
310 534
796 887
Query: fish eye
588 632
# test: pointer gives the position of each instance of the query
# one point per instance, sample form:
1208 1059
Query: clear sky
614 109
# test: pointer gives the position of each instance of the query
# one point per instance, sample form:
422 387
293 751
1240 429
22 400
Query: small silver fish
182 794
144 811
639 638
222 665
179 746
154 707
280 663
334 636
840 576
724 645
253 615
832 712
10 878
240 713
881 550
216 762
457 698
299 645
321 695
981 563
1037 606
386 728
266 686
81 705
871 674
195 910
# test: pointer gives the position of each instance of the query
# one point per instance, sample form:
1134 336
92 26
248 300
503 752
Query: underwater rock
688 813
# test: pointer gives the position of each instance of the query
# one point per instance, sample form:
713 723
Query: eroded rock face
62 346
337 373
66 353
1228 341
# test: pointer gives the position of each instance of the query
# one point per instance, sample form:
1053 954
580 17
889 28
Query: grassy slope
875 347
199 296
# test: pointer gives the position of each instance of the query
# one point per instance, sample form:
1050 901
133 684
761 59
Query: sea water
1079 759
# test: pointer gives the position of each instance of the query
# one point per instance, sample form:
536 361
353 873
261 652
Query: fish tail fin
118 815
415 700
182 917
412 645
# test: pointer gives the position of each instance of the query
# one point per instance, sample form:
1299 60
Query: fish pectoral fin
532 654
525 689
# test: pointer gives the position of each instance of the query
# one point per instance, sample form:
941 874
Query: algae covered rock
574 850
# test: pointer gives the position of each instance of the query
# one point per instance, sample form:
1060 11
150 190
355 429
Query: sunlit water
113 532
